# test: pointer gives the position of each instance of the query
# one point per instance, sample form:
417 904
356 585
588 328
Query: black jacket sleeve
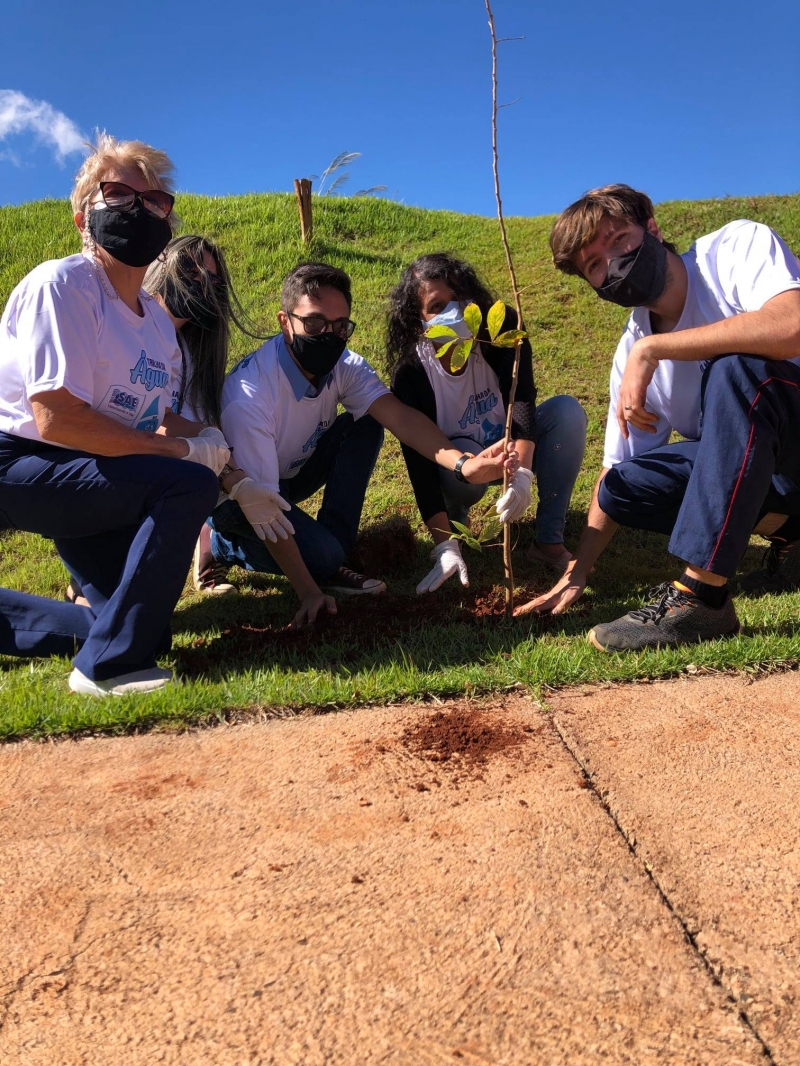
411 386
501 360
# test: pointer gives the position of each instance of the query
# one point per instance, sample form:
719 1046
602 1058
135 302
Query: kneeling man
710 351
279 412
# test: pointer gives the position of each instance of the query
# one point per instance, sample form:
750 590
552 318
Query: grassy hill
229 667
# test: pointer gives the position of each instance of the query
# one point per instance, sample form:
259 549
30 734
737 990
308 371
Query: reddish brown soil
462 740
360 624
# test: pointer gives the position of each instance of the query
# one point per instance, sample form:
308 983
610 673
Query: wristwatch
459 464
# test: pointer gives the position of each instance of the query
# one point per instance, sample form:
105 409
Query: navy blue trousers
343 462
125 528
709 494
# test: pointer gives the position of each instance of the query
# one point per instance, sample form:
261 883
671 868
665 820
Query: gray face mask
637 278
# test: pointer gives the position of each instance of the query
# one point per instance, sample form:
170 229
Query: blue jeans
560 439
343 462
709 494
125 528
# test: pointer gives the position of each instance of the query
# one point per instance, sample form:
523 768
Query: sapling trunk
508 570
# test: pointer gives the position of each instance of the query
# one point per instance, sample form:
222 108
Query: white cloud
20 114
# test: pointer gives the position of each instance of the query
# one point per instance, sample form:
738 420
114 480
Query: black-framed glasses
121 197
314 325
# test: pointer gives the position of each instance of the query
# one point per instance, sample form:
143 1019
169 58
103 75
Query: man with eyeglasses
279 414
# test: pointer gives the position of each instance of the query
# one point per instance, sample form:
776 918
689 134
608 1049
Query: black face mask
133 237
318 355
191 301
637 278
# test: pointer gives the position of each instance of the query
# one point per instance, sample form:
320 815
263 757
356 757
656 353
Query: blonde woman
90 454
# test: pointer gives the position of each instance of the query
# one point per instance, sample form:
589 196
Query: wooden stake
302 190
508 570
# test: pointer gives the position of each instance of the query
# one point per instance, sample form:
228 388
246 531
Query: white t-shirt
735 269
272 432
61 330
469 404
180 404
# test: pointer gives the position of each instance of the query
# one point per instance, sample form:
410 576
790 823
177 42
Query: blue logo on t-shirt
479 405
492 431
123 401
151 372
150 420
314 438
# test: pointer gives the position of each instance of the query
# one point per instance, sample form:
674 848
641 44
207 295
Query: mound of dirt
463 739
360 624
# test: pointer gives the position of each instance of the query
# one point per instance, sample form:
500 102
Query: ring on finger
628 407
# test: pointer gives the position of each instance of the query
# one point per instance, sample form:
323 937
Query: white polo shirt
60 329
273 417
735 269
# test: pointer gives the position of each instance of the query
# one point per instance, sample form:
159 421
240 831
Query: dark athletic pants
125 528
343 462
709 494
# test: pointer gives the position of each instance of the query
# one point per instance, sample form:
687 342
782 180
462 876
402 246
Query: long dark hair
208 347
404 325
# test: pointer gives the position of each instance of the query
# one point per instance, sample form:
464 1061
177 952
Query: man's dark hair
308 278
577 225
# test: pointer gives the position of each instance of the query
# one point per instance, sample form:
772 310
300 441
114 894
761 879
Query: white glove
448 561
516 500
263 509
214 435
207 452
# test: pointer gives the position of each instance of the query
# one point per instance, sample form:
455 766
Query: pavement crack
689 934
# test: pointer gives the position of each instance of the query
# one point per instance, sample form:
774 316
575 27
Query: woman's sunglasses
121 197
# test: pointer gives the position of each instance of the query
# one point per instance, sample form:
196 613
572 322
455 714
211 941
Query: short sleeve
754 264
250 431
360 386
57 333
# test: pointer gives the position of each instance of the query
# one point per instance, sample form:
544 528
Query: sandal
560 563
74 594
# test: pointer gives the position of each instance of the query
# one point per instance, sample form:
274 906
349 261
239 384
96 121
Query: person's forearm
597 535
287 555
178 426
525 449
418 432
87 430
773 332
439 527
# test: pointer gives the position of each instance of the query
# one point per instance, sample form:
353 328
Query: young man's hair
577 226
308 278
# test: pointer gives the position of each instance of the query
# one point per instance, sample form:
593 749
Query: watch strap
459 464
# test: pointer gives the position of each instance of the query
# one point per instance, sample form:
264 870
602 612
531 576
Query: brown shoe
348 583
558 562
209 576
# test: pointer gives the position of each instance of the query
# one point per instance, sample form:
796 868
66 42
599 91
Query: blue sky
685 100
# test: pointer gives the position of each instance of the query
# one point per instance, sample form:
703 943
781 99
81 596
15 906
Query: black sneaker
675 617
209 576
780 573
348 583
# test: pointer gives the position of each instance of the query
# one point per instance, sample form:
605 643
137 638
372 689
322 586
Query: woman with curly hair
469 406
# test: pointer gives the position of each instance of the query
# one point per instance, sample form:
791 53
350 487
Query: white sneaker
124 685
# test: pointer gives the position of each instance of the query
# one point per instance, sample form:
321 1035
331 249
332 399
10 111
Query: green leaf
440 331
445 348
496 318
473 318
460 356
467 536
491 528
509 338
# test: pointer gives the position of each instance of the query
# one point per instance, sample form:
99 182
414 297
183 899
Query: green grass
229 671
